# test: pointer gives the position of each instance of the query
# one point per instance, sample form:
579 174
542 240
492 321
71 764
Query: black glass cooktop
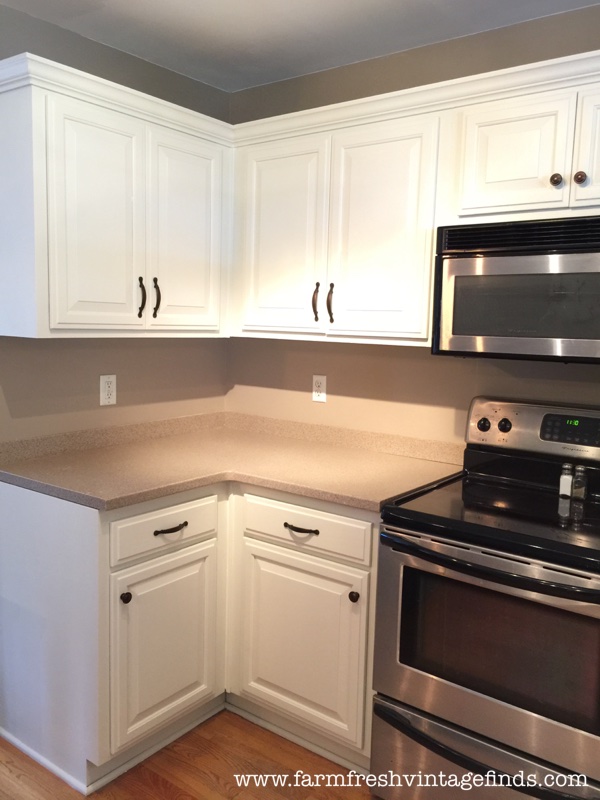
526 520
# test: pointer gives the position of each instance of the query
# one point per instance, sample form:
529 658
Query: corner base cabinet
302 613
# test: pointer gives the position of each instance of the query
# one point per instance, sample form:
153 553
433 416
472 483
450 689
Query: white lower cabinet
303 613
163 617
163 640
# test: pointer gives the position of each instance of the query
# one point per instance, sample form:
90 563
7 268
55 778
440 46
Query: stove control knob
484 424
504 425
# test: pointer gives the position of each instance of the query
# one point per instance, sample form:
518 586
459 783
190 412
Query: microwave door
544 306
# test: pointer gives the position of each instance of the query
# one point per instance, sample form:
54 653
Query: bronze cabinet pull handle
330 302
580 177
315 297
143 306
295 529
176 529
158 298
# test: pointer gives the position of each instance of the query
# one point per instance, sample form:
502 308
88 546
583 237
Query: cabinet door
163 640
304 640
380 256
284 191
95 215
511 150
184 230
587 150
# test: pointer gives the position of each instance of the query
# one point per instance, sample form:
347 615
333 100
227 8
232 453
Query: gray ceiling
236 44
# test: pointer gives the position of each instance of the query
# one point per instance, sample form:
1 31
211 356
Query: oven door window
530 655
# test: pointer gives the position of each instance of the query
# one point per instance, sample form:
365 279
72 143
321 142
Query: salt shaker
565 485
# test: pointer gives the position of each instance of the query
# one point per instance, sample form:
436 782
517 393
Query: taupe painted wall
20 33
52 386
551 37
390 389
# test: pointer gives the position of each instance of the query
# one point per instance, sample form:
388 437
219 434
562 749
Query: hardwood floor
201 765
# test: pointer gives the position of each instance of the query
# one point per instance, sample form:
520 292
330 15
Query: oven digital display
571 430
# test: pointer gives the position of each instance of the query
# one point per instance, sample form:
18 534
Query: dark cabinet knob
580 177
354 597
126 597
556 179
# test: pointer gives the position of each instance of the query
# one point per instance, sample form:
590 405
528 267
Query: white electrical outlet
319 388
108 390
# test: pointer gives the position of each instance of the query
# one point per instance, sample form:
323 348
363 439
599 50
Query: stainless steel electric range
487 644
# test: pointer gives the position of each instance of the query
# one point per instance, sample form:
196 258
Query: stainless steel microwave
527 289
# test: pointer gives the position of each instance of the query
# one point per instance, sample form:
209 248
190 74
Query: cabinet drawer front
330 534
159 530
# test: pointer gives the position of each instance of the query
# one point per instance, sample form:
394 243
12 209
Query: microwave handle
552 588
403 724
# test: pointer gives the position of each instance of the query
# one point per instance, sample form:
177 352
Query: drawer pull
354 597
295 529
126 597
176 529
556 179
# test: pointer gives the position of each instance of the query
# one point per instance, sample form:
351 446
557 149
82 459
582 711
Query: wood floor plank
201 765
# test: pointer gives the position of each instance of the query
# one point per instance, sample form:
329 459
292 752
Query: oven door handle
403 724
552 588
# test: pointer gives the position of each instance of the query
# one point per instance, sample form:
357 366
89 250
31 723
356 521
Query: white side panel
50 657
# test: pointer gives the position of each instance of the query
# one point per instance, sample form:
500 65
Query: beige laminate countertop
118 475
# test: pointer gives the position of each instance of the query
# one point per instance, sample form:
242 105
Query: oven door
504 647
418 757
538 306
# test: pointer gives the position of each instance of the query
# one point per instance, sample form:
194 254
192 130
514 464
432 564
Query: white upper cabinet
284 191
113 209
341 250
96 215
585 189
381 231
533 152
185 176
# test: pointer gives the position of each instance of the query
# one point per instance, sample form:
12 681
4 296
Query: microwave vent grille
574 235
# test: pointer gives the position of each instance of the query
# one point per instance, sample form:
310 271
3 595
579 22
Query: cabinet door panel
185 177
95 215
383 192
162 640
512 148
587 150
284 186
304 640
